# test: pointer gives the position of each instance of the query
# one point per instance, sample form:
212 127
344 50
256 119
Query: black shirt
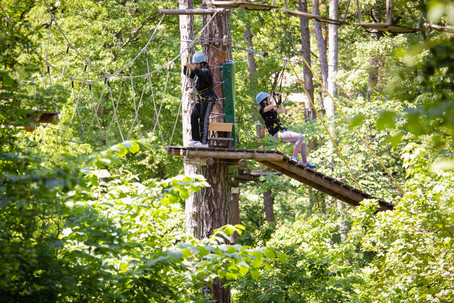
272 122
203 83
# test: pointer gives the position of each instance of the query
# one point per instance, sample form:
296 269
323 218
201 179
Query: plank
218 126
224 153
324 183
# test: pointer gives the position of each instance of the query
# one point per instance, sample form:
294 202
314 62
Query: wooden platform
283 164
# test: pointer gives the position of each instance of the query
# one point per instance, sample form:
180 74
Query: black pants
199 120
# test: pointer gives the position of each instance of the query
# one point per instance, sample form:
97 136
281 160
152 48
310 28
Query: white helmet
260 97
198 57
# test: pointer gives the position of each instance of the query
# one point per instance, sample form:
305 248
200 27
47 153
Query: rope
96 111
156 117
356 130
115 116
176 121
67 40
115 74
163 93
76 107
136 108
98 105
7 18
326 128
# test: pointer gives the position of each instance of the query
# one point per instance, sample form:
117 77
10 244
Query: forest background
92 208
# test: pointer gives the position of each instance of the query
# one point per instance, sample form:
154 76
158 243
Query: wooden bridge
280 163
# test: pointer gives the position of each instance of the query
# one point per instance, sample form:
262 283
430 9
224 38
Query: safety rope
115 107
324 125
176 121
136 107
77 99
95 109
354 127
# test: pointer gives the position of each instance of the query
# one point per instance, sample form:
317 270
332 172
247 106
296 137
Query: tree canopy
92 208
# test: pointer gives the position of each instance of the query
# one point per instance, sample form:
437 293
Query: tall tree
215 200
306 53
187 100
252 65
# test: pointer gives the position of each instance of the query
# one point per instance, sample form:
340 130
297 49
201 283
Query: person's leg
195 127
299 146
205 120
303 152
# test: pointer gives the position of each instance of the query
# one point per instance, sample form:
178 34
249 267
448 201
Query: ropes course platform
282 164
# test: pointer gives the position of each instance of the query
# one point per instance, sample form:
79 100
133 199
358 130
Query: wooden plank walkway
283 164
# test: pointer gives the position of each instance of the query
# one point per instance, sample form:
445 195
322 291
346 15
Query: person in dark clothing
275 128
206 97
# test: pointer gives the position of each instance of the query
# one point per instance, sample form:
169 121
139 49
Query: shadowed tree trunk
268 202
215 200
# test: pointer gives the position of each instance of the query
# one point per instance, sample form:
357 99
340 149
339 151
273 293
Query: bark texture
268 202
215 200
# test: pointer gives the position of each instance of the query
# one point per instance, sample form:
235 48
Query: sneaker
200 144
296 159
310 165
193 143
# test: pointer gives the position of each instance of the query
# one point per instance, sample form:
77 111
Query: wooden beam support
392 28
197 11
239 163
439 27
312 16
224 153
243 4
199 161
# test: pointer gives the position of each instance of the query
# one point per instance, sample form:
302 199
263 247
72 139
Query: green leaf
282 257
175 254
132 146
269 253
386 120
255 274
358 120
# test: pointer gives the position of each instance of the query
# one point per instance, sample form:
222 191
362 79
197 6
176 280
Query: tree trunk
333 56
251 64
306 53
234 215
268 202
187 101
321 44
215 200
332 88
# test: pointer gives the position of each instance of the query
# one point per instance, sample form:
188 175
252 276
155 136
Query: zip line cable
324 125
